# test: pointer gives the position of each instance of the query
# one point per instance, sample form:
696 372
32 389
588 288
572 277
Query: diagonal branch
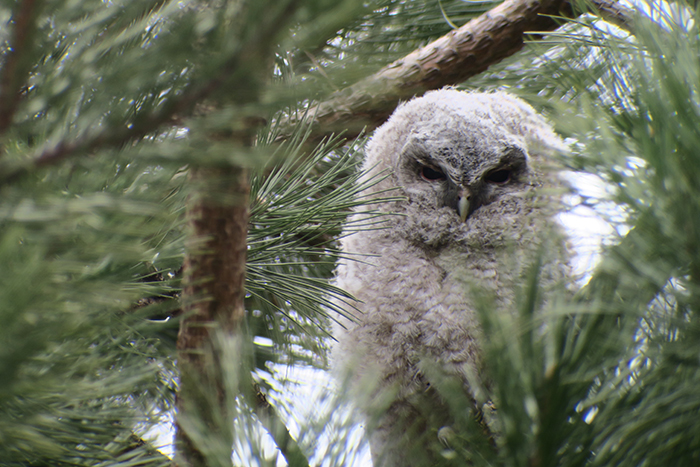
449 60
252 55
119 136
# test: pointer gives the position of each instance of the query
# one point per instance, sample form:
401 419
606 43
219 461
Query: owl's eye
499 177
432 175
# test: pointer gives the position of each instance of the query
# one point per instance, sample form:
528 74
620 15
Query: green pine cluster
105 106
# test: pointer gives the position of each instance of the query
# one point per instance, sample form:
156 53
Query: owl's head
462 160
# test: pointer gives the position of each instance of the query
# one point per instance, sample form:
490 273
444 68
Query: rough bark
449 60
13 74
215 270
214 295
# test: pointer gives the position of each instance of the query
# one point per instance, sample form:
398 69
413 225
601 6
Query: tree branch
252 53
278 430
449 60
118 136
12 75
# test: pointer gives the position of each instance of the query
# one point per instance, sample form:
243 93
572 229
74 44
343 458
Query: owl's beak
464 200
463 204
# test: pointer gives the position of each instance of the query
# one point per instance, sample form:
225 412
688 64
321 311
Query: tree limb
449 60
16 65
252 53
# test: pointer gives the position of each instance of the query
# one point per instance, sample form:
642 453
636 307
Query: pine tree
148 148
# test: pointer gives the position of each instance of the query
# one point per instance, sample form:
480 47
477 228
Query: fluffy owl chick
466 165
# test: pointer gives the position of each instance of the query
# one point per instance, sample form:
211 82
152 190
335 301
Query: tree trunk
213 297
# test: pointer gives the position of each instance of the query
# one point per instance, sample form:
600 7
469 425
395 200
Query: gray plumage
468 165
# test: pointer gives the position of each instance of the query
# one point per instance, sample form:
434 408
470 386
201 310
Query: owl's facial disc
496 181
463 178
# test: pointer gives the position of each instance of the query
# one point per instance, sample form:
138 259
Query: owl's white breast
409 308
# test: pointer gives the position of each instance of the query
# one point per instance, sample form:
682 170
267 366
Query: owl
472 200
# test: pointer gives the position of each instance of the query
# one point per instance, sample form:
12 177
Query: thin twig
278 430
616 13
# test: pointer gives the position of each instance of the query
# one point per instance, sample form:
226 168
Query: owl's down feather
475 205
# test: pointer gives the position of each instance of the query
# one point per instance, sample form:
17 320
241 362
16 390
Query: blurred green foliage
110 104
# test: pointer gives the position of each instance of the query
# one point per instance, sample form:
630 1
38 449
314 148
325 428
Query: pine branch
250 57
449 60
15 68
118 136
633 254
